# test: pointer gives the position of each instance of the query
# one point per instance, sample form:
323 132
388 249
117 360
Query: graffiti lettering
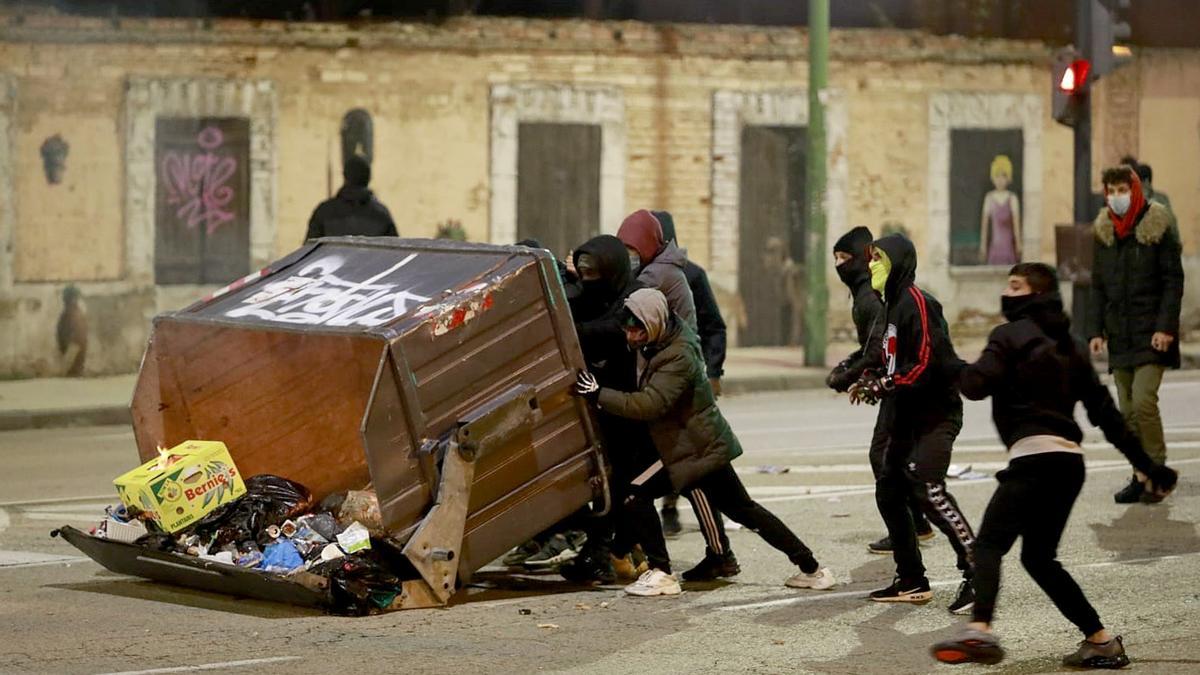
315 296
197 182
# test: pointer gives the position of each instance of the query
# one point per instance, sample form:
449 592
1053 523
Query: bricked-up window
202 200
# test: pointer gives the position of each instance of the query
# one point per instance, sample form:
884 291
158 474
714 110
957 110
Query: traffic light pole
817 302
1083 161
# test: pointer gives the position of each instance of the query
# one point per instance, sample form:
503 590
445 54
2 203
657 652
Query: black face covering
1016 307
852 272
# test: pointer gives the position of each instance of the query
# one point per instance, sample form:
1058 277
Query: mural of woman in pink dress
1000 221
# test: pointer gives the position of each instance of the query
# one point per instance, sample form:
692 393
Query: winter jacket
352 211
867 309
918 355
1036 373
1137 288
675 398
662 262
709 323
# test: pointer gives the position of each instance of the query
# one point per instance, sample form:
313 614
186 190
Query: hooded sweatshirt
596 308
662 262
709 323
867 310
917 351
354 210
1036 373
674 396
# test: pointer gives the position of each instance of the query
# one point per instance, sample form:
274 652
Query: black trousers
914 467
721 491
879 444
1033 502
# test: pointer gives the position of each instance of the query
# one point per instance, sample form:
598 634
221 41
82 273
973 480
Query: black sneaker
670 522
881 547
1110 654
1130 494
517 556
559 549
713 567
915 591
592 567
964 600
969 646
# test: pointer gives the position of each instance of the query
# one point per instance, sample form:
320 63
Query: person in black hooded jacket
711 329
1035 374
354 210
922 412
852 255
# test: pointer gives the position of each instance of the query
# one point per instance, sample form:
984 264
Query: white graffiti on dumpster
315 296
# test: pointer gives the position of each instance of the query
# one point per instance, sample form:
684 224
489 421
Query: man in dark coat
852 255
920 407
711 328
1137 291
354 210
694 443
1035 375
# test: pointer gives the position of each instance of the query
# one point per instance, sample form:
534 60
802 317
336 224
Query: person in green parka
695 445
1137 292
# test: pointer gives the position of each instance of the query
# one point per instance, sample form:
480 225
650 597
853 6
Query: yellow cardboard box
182 484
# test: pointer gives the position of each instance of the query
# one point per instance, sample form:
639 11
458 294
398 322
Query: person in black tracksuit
711 329
852 253
1035 374
354 210
921 409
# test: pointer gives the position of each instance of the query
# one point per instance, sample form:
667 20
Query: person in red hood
658 263
1137 293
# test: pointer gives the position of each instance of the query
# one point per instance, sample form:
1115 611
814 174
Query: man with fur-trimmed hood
1137 291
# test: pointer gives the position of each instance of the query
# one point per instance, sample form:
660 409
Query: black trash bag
269 500
158 541
359 584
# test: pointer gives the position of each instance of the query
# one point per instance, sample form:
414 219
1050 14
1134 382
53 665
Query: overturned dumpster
435 373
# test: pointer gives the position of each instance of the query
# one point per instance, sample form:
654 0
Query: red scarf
1137 201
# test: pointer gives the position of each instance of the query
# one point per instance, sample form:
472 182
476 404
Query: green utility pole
816 308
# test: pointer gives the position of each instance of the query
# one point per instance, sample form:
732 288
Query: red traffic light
1074 77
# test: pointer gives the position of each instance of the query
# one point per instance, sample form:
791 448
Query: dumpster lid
357 284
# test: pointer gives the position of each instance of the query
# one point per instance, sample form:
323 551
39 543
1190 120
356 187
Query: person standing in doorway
1000 222
1137 293
354 210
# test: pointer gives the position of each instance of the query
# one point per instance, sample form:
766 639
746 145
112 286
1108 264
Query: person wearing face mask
658 263
852 256
694 442
916 387
1035 375
1137 293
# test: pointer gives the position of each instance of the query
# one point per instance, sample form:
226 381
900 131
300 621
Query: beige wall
428 89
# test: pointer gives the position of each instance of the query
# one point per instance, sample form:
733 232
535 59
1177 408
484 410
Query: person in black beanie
1035 373
354 210
852 255
711 329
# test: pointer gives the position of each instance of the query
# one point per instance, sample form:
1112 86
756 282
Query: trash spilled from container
383 416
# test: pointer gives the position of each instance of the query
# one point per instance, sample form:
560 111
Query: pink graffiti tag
197 182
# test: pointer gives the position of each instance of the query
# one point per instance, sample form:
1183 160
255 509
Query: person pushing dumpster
695 445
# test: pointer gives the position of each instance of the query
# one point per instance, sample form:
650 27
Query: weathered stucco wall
429 90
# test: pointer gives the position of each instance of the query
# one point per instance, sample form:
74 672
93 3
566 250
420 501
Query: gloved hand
1161 480
840 379
870 388
586 386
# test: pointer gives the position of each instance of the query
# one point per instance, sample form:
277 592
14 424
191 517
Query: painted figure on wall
1000 220
72 333
54 158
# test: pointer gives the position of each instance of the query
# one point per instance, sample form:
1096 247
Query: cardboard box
183 484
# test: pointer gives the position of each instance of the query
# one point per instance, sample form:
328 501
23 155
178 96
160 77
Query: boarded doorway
771 232
558 184
202 200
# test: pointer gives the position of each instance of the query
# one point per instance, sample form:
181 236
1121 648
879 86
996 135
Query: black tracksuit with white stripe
923 416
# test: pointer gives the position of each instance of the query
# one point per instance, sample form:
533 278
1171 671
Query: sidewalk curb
17 420
768 383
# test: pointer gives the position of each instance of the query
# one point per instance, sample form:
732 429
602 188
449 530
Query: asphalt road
1140 565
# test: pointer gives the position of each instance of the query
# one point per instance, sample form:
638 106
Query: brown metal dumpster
436 372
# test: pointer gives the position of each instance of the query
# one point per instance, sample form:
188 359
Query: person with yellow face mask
921 413
852 255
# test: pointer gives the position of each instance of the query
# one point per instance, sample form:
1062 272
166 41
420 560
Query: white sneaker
821 580
652 583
